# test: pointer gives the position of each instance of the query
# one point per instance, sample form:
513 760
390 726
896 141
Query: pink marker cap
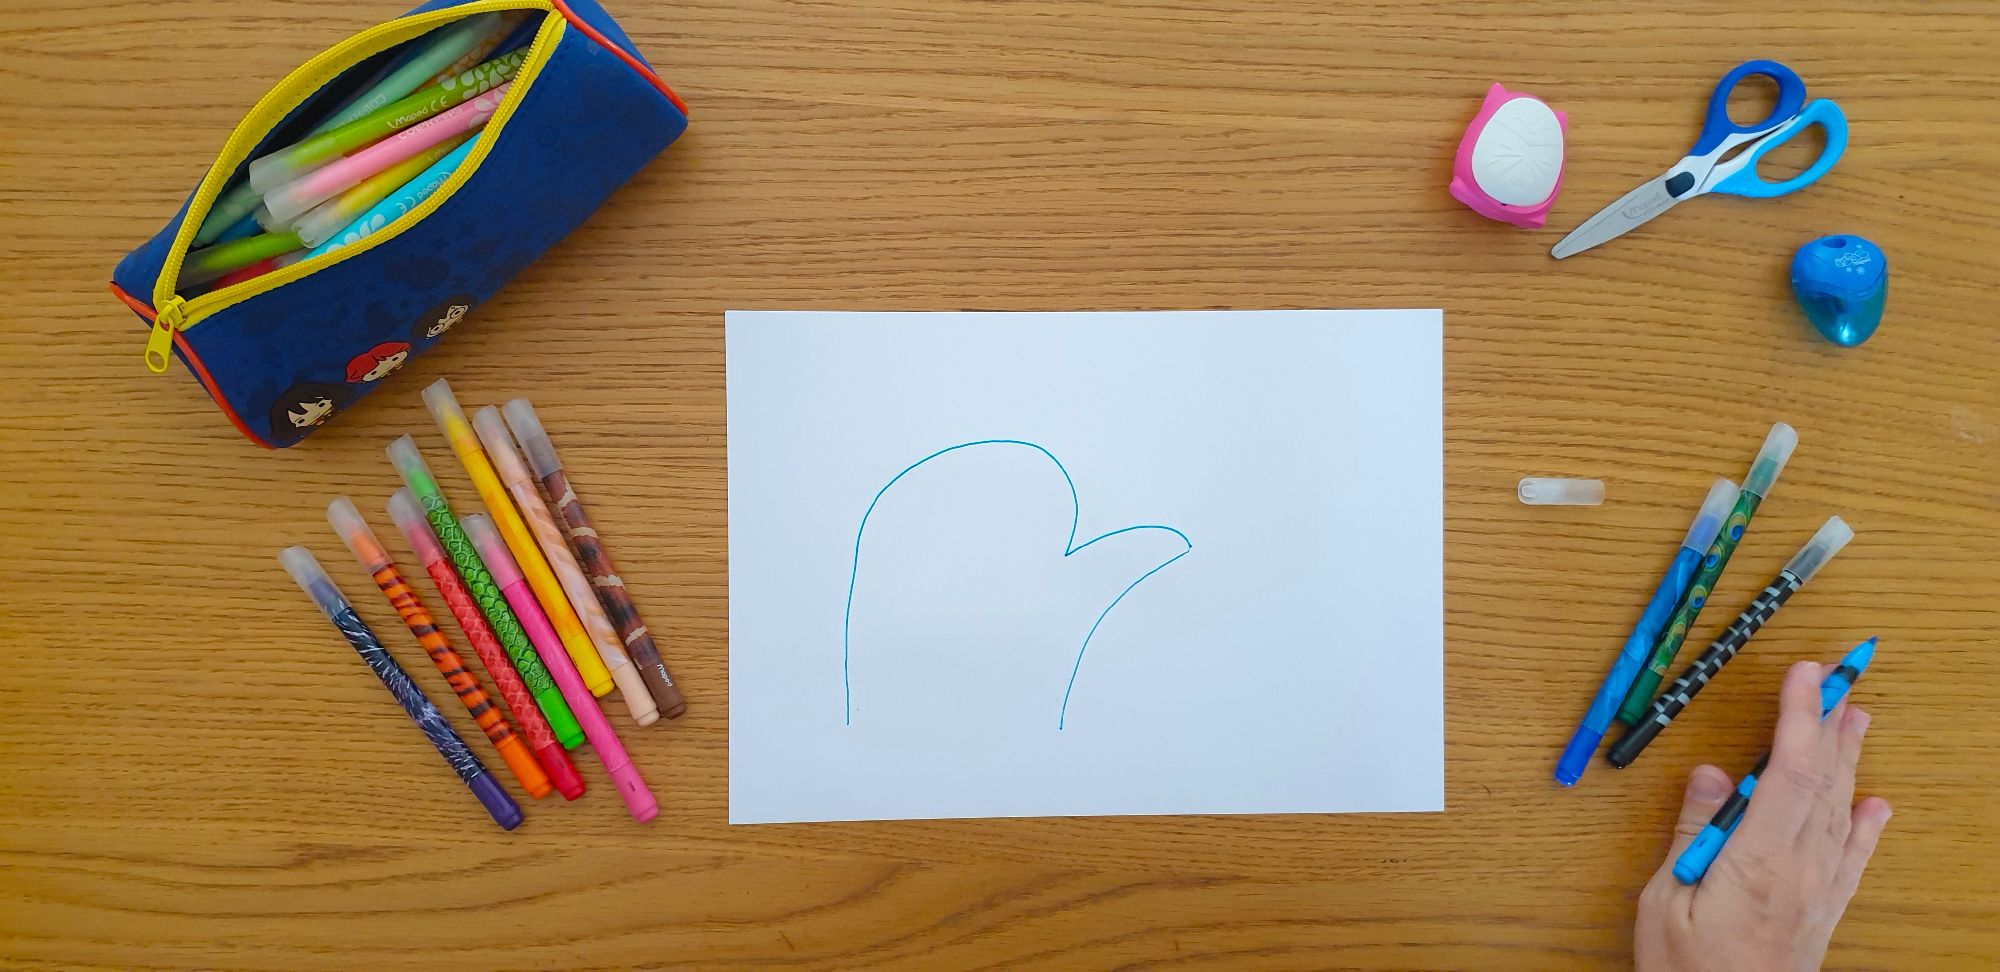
416 529
492 549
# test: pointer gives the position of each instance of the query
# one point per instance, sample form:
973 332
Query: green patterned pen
417 475
1763 473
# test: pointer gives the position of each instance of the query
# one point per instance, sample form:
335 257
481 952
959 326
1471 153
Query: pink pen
596 728
291 200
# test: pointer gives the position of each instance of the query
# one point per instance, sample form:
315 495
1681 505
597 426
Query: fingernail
1708 787
1861 720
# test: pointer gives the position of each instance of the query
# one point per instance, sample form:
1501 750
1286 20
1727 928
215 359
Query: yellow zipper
176 313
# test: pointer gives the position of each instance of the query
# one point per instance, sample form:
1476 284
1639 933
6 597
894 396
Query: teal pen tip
1860 656
1844 675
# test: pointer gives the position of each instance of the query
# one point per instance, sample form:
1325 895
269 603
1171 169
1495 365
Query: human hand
1773 895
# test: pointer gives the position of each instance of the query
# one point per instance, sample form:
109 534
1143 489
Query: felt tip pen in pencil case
554 127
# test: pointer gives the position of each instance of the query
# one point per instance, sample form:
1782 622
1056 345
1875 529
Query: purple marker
312 579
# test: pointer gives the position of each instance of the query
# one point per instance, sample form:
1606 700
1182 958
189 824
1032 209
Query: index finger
1804 756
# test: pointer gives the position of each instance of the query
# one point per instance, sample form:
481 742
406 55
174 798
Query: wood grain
198 775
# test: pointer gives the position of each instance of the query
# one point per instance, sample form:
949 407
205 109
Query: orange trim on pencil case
200 370
620 53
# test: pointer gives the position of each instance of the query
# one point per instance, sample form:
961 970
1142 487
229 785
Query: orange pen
374 558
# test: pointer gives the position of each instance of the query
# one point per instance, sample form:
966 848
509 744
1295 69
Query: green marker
210 262
288 163
424 490
1763 473
447 44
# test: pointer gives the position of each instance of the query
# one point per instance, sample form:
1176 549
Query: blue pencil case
285 349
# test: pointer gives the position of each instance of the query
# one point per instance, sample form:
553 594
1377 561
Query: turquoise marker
1625 668
1694 862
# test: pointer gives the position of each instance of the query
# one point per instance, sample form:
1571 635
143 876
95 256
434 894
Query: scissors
1704 170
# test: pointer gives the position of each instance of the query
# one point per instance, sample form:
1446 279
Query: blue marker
1707 523
1694 862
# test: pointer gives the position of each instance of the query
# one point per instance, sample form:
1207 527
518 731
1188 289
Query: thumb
1708 788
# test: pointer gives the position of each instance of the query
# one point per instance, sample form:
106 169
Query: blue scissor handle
1718 126
1743 181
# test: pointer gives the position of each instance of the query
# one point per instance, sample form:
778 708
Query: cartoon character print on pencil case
406 692
377 362
304 406
440 319
456 675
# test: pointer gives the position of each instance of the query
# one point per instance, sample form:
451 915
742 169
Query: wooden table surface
198 774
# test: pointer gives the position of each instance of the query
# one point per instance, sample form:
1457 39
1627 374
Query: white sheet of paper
1023 564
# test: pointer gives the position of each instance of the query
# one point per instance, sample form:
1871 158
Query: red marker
541 739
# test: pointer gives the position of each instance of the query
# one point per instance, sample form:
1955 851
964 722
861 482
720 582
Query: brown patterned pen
596 561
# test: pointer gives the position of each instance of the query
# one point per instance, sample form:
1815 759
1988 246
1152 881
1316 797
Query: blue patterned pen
312 578
1625 668
1800 569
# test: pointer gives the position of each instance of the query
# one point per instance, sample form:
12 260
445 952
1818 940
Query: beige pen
499 443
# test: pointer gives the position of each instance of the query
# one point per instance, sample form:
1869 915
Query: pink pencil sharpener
1510 161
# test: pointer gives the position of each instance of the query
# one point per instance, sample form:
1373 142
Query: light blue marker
1624 669
1694 862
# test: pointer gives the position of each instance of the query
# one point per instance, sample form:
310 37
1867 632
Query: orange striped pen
360 539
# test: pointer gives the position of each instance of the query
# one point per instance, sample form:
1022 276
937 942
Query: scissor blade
1613 221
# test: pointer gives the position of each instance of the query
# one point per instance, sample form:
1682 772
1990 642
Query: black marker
1803 565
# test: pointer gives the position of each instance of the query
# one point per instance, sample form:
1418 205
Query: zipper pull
170 317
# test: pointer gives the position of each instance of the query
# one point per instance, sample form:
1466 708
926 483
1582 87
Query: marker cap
492 549
534 441
274 170
1536 491
289 201
410 519
354 532
324 221
267 222
492 430
311 578
410 463
1708 520
451 418
1771 459
1831 537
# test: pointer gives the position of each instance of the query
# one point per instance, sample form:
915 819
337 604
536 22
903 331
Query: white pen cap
534 441
1537 491
1831 537
1708 520
1771 459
